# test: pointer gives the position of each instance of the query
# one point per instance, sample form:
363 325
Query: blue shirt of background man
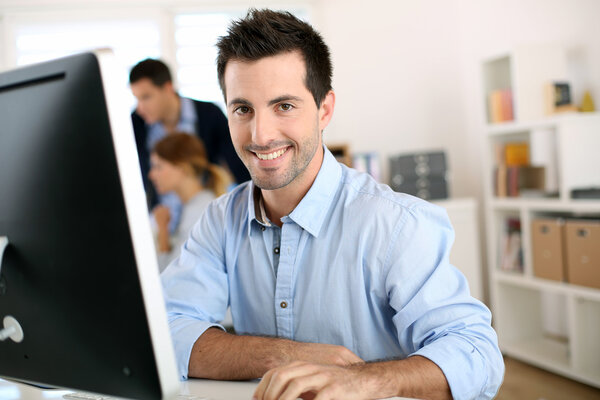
359 266
156 131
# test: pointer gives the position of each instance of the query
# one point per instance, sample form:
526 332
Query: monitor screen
79 275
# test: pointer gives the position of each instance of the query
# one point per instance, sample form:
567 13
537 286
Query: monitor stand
12 329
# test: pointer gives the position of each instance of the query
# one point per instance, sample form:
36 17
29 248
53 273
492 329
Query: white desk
217 390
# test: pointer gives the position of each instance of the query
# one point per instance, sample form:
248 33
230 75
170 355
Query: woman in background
179 164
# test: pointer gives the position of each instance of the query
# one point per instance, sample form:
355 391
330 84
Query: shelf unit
553 325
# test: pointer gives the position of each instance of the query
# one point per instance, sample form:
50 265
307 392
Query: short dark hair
264 33
155 70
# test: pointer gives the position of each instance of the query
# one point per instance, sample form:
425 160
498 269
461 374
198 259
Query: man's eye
285 107
242 110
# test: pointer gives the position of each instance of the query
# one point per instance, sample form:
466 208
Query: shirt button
283 304
276 250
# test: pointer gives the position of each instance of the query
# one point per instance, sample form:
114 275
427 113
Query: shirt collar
188 115
311 211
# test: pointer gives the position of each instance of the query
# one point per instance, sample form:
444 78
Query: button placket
285 286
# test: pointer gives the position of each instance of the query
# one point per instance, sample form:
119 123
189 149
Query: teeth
271 156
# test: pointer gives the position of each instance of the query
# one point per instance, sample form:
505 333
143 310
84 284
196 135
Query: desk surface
213 390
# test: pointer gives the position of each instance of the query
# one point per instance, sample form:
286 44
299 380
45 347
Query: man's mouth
271 156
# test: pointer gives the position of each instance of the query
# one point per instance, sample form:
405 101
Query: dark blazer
211 127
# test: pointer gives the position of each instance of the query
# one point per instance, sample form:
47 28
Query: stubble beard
268 180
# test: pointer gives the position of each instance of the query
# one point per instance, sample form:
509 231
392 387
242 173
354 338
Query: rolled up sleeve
435 315
195 287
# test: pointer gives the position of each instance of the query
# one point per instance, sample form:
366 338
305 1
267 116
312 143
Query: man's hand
312 381
415 377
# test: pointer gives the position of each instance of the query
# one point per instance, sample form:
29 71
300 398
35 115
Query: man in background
161 111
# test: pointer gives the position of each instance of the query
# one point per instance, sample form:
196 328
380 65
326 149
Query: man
338 286
160 111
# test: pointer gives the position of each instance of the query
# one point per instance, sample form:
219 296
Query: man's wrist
376 380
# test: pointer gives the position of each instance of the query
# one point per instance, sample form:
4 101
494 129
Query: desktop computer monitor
81 304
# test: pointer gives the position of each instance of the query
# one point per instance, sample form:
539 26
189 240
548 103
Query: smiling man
338 286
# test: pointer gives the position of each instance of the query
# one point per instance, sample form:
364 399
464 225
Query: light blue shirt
156 131
359 266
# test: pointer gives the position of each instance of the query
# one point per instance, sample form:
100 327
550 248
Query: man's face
274 122
152 100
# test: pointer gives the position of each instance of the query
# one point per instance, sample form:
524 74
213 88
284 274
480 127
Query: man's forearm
164 245
416 377
220 355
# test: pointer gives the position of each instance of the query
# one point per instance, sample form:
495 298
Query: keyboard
88 396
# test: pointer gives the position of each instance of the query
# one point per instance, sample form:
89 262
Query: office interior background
408 76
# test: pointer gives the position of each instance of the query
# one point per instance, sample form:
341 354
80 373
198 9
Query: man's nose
140 108
263 128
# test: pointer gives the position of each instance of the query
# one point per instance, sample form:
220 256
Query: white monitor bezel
138 219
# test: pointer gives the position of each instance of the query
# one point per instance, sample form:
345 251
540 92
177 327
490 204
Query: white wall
396 75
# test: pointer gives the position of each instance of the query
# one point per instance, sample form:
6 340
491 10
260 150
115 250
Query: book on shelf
517 181
514 175
512 154
500 105
511 251
516 154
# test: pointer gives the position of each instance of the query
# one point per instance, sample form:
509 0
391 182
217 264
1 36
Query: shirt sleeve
435 315
195 286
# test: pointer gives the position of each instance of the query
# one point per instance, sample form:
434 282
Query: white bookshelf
567 146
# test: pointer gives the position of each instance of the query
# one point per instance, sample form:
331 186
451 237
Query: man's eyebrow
285 97
239 101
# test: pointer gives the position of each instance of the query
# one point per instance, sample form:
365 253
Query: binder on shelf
421 174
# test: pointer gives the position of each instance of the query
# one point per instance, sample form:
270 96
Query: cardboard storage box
583 252
547 237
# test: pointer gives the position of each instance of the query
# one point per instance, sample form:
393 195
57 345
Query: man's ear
168 87
326 110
